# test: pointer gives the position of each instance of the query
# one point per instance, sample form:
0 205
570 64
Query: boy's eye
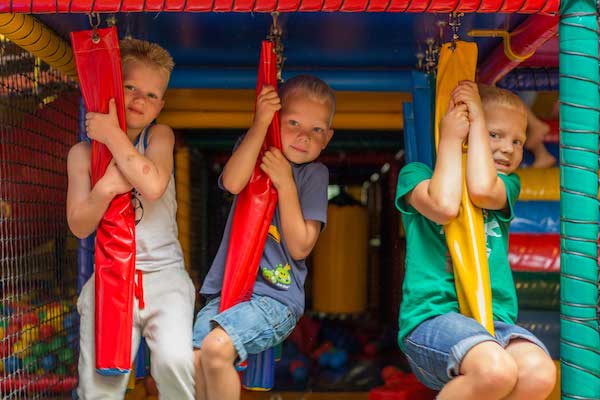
318 130
293 123
129 87
517 142
493 135
152 96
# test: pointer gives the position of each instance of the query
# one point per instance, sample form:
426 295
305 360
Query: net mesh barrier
39 326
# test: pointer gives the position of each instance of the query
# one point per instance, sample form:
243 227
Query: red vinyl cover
254 207
534 253
427 6
100 79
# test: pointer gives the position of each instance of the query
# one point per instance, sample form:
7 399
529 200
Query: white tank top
156 237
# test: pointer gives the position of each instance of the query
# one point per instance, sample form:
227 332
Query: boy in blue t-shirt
446 350
307 106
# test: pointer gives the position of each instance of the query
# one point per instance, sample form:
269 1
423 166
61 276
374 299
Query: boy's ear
328 137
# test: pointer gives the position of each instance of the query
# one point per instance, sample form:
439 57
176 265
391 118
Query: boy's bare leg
537 372
542 157
488 372
199 377
536 131
218 354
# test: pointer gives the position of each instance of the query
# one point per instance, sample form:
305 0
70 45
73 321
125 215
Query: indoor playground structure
392 64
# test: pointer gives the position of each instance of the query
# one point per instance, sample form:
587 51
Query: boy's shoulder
311 177
311 170
412 174
79 152
160 130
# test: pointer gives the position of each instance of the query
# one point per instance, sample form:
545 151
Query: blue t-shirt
280 276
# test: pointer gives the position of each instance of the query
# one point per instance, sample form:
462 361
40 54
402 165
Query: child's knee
173 361
537 372
217 351
501 377
493 369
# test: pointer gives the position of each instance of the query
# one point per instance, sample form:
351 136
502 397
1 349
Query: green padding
580 343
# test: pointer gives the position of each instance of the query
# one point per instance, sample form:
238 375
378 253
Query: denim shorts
253 326
436 347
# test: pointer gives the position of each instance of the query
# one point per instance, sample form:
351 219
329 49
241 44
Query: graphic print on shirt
280 276
492 229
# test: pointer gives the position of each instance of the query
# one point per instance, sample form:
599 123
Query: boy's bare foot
543 159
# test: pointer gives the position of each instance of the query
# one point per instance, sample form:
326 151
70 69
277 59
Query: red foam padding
254 206
431 6
100 79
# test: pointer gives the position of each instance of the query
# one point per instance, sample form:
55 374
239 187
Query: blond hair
314 87
148 53
495 95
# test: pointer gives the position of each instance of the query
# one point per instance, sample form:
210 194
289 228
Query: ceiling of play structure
334 42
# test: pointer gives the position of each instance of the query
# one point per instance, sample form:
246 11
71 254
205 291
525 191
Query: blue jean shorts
436 347
253 326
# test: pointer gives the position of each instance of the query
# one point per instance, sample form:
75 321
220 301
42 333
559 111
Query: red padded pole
254 207
100 79
526 38
426 6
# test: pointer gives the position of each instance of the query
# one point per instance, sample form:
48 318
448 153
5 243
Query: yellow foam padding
465 234
340 262
539 184
131 381
33 36
555 395
234 109
182 187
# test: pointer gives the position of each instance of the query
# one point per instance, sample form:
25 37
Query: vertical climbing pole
579 102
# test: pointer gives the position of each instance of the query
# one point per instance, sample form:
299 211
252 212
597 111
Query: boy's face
144 87
507 126
304 127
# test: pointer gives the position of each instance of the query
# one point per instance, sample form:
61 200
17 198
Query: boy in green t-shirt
446 350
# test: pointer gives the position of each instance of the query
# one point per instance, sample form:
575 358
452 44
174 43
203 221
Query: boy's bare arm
85 205
486 189
149 174
300 234
438 198
239 167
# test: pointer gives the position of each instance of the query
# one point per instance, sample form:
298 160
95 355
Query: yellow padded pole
36 38
465 234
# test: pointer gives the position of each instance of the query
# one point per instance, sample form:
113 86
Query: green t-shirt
428 288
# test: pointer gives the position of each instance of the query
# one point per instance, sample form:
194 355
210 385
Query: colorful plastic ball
29 364
21 349
48 363
61 370
30 333
70 320
30 318
12 364
46 331
39 349
73 340
57 343
66 355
